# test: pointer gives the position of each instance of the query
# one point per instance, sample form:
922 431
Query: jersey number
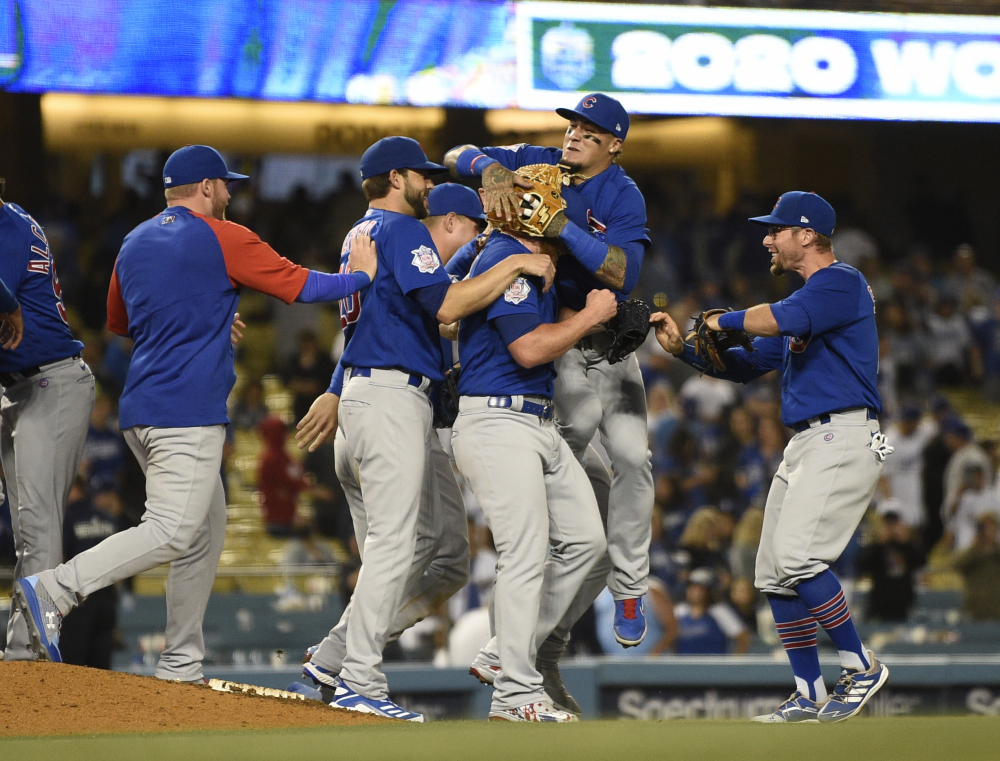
350 307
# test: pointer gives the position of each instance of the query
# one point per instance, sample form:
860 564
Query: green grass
907 739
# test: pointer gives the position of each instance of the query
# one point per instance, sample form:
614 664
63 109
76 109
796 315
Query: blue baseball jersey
461 263
387 326
608 205
488 368
174 291
827 350
27 268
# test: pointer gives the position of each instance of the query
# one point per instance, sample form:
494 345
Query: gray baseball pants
593 395
386 425
184 525
42 433
440 565
818 497
545 523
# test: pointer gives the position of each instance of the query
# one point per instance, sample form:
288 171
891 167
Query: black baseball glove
627 329
446 399
711 344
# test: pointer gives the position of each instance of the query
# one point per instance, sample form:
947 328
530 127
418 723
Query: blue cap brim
235 176
428 166
569 113
770 219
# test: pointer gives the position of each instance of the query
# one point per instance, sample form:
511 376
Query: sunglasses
773 230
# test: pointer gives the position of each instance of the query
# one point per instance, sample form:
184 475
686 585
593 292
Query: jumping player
48 395
824 340
392 357
505 435
604 228
174 291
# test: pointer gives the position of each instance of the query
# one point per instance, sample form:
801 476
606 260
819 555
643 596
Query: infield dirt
56 699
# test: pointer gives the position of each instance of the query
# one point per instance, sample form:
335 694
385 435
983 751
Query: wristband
732 320
471 163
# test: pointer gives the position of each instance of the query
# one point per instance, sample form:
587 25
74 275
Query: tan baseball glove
538 205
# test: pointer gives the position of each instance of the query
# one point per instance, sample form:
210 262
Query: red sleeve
117 314
252 263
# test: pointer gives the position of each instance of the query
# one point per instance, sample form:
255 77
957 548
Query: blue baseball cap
194 163
801 209
450 196
603 110
396 153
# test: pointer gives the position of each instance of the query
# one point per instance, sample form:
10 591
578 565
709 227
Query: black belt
366 372
825 418
9 379
544 410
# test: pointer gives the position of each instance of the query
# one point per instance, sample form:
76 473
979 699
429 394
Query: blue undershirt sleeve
431 297
587 250
8 303
337 381
513 326
792 319
322 286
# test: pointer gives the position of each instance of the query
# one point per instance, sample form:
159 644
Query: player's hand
501 191
713 321
449 331
601 306
538 265
236 330
319 422
11 329
364 256
667 333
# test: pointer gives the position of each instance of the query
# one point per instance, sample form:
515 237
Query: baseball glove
710 344
627 330
446 399
538 205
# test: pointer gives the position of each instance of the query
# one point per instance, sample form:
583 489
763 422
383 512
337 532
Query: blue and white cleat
309 693
321 676
853 690
630 621
542 710
797 709
41 616
347 698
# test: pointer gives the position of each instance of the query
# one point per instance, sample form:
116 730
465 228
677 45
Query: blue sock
825 599
797 629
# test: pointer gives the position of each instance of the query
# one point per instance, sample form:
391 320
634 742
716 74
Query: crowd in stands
715 445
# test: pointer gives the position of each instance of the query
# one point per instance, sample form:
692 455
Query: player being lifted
824 340
604 228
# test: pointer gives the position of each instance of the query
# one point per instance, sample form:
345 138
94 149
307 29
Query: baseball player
824 340
174 291
48 395
441 562
531 488
604 228
392 357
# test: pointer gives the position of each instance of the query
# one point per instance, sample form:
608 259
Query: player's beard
776 269
417 199
219 205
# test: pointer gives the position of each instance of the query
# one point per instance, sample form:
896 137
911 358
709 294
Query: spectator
972 286
746 601
661 625
902 474
907 345
966 454
280 479
661 564
952 354
104 450
980 569
88 632
746 538
976 498
748 467
662 414
700 546
308 373
707 627
890 562
937 454
331 512
303 549
250 408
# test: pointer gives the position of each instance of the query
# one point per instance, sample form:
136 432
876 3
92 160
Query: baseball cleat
798 708
542 710
347 698
42 617
553 684
309 693
309 653
630 621
484 669
321 676
853 690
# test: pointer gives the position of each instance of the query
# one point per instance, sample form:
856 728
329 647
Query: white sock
852 660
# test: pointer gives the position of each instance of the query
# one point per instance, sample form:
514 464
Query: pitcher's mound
57 699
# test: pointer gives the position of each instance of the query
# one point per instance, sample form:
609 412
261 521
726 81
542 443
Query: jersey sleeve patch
517 291
425 259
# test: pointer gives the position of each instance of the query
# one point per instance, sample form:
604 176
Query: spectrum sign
682 60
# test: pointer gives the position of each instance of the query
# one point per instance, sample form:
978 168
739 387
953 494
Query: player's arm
476 293
321 419
547 341
495 167
743 366
117 313
11 322
757 321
